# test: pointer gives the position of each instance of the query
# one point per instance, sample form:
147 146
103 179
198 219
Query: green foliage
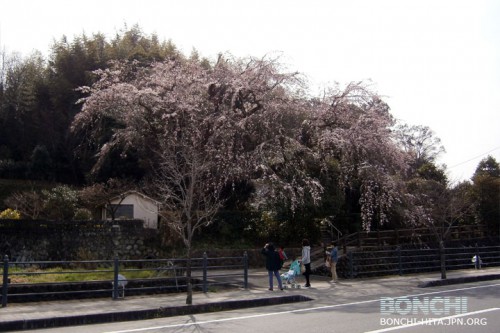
60 274
488 167
133 44
288 229
486 192
20 106
10 186
269 226
41 163
82 214
231 228
10 214
38 99
11 169
57 203
429 171
38 103
60 202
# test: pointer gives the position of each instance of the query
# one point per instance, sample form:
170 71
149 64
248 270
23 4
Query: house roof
125 194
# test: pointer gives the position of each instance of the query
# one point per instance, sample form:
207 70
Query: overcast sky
436 62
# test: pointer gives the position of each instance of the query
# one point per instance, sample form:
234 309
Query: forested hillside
210 136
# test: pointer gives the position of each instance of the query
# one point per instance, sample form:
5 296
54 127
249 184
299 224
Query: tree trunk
189 297
442 260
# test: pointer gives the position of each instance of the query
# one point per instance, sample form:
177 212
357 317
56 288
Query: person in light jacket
306 261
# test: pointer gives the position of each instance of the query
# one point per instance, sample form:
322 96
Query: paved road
352 306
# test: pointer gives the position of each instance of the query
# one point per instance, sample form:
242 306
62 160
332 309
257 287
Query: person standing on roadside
306 260
334 257
273 264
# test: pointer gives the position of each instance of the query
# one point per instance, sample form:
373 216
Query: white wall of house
143 208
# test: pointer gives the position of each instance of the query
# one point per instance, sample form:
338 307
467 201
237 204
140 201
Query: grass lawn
59 274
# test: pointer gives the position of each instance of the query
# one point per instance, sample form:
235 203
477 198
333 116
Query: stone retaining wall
28 240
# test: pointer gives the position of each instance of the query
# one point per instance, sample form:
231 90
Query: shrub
10 214
82 214
60 202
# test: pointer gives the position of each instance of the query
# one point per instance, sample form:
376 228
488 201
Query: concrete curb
464 279
99 318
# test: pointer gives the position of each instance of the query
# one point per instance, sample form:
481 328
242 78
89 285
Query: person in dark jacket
273 264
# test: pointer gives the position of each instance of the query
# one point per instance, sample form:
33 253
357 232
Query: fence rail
370 239
102 278
406 261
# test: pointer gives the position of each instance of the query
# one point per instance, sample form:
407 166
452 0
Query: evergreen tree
486 189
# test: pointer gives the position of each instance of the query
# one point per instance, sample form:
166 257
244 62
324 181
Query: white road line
294 311
433 320
243 317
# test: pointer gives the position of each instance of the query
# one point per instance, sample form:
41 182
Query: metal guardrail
406 261
163 275
369 239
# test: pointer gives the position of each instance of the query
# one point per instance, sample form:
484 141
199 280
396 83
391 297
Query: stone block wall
28 240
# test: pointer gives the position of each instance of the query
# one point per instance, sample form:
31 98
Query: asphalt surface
26 316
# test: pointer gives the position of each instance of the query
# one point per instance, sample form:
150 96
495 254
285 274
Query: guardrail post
5 282
205 265
477 264
351 264
245 270
115 278
400 262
